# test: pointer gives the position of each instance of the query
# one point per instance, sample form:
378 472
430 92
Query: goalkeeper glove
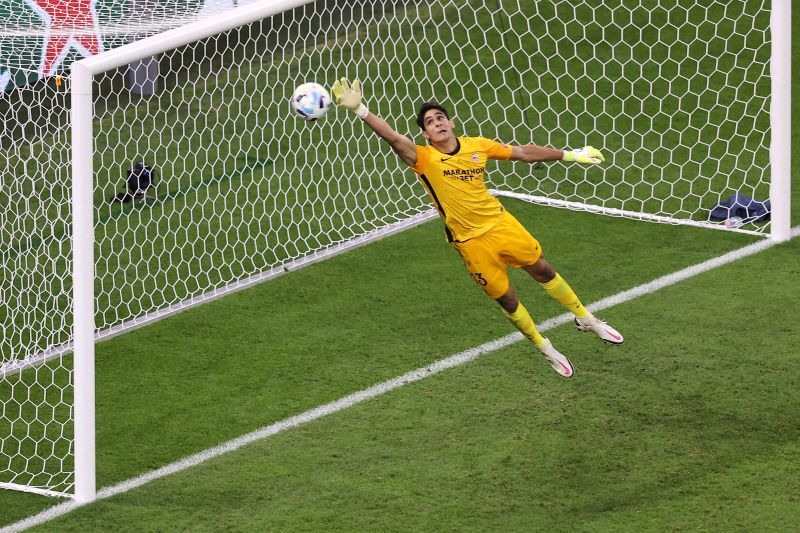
587 155
350 97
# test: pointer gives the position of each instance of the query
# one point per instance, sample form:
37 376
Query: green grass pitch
690 424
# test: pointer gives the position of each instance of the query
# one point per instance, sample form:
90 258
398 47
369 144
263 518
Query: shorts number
479 279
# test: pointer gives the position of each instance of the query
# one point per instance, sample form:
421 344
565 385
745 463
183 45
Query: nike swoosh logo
567 370
443 159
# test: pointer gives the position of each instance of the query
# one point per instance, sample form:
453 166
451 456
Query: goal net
231 188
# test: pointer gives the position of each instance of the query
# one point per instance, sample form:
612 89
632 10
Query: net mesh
676 95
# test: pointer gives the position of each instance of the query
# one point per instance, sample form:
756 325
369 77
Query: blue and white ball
311 101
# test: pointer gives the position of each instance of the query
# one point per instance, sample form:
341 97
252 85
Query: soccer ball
311 101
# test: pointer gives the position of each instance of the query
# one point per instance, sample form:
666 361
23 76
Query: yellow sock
560 290
522 321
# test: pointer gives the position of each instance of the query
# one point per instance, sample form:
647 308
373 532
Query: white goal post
689 101
780 150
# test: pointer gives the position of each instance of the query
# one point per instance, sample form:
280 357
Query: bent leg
541 270
560 290
556 287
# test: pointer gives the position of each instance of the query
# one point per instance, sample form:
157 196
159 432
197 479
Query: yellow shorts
489 255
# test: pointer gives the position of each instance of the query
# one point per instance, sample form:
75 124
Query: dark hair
427 106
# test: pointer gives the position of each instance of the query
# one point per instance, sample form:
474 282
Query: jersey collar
458 148
454 152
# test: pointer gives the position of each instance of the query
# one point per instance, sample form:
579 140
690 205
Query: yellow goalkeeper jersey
455 183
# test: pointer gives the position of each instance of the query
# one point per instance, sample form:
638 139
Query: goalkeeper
487 237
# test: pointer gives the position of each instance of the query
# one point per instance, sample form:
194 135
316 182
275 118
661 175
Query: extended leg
519 316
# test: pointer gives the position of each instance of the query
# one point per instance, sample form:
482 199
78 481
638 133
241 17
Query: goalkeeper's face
438 128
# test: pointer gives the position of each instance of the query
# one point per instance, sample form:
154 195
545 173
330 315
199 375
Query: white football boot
599 328
559 363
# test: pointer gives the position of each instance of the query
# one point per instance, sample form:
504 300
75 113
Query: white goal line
392 384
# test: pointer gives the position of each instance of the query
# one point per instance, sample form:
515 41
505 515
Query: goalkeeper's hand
587 155
349 97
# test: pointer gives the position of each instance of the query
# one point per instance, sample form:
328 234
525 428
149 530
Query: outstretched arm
530 153
350 97
402 145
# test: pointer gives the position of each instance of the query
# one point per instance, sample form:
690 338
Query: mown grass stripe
389 385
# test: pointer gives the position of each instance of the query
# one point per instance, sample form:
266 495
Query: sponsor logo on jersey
464 174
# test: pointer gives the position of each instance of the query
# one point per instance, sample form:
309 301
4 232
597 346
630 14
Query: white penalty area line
392 384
